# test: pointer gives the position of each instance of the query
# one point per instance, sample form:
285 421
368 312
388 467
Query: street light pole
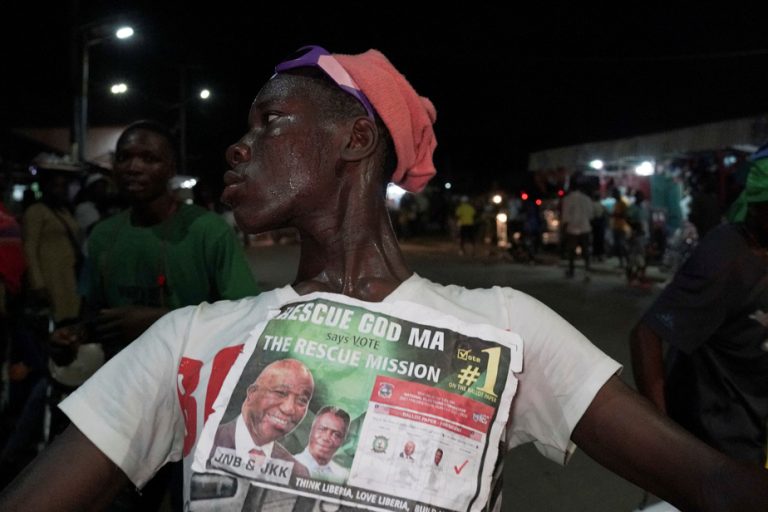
182 119
81 100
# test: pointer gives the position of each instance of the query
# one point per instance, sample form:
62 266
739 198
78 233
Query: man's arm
648 364
625 433
72 474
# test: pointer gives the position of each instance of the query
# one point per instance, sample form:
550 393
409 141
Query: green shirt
190 258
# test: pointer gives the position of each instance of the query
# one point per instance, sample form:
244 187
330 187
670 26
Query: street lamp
87 37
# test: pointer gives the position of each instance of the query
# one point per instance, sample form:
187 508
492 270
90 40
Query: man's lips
280 422
233 178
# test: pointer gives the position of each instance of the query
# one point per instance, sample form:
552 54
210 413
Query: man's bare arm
71 475
648 364
624 432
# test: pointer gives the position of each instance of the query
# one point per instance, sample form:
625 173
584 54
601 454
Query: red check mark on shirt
458 469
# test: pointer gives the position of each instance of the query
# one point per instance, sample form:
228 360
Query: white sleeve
562 373
129 409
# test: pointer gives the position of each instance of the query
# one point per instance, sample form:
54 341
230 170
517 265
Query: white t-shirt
577 212
147 406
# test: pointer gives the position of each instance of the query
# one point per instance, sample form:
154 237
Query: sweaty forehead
285 89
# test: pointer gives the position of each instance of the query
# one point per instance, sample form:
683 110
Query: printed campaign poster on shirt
381 406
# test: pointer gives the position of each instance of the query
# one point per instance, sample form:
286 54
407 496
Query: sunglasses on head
319 57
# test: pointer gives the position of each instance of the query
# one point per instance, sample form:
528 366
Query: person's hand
123 324
64 343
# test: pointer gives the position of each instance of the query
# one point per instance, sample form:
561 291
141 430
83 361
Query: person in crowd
328 432
619 226
598 227
465 219
274 405
713 380
577 214
638 219
317 157
705 210
92 202
158 255
52 246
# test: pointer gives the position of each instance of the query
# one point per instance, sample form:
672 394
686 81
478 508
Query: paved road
604 309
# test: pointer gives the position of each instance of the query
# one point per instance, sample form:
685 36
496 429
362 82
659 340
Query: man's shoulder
106 229
299 469
225 434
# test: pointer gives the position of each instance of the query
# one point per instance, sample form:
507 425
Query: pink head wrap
407 116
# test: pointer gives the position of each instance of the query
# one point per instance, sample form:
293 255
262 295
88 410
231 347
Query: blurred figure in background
619 226
638 219
158 255
713 315
52 241
465 219
577 214
599 222
92 202
705 211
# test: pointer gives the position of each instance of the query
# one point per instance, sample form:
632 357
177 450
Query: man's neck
154 212
361 258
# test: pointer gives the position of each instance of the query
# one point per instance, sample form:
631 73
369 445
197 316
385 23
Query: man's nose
291 405
238 153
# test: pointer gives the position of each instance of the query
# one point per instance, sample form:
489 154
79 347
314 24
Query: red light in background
524 196
561 193
538 202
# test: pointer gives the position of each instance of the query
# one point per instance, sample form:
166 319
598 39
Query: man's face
277 402
438 457
328 432
144 163
285 163
409 448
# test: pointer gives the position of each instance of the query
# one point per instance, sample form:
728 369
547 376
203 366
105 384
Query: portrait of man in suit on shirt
274 405
329 430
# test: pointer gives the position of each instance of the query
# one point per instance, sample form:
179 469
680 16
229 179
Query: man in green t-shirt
158 255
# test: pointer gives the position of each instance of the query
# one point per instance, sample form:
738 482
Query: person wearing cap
713 316
326 133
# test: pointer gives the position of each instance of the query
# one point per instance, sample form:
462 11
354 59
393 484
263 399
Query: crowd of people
204 371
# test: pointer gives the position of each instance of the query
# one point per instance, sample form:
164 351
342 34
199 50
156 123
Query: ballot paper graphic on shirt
406 375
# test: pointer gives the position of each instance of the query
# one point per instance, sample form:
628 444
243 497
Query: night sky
505 81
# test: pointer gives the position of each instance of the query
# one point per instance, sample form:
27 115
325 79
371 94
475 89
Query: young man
156 256
326 134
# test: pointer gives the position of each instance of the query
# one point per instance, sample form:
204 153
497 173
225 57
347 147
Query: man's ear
362 140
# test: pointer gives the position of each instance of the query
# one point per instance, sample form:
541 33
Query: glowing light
120 88
561 193
501 217
205 94
448 186
124 32
596 164
538 202
496 199
644 169
524 196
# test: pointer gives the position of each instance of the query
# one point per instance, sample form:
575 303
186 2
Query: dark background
506 81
